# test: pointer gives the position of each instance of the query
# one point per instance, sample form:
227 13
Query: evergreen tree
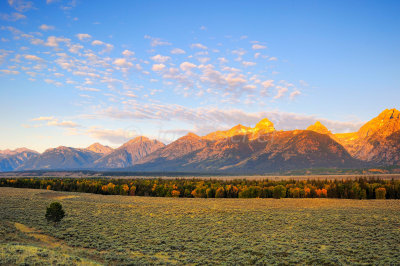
55 212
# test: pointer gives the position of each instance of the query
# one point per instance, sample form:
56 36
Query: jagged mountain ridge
61 158
241 148
99 148
263 127
129 153
377 141
273 151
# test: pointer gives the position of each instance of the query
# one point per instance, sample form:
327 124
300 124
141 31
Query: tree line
361 188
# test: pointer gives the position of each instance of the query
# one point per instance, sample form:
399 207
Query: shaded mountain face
173 157
98 148
270 152
61 158
128 154
11 160
377 141
298 149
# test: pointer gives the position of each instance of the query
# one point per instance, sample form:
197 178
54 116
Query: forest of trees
361 188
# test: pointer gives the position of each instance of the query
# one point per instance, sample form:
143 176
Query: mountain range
243 149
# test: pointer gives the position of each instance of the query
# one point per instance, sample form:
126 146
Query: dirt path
51 243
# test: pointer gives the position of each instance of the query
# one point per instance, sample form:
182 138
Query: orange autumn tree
125 189
175 193
109 188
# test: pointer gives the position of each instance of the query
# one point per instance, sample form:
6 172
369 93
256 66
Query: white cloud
294 94
156 41
53 82
46 27
247 63
258 47
160 58
12 17
266 85
67 124
88 89
239 52
75 48
117 136
20 5
107 47
83 36
97 42
281 92
32 57
223 60
158 67
122 62
128 53
88 74
273 58
177 51
9 72
198 46
54 41
203 60
43 118
51 121
187 66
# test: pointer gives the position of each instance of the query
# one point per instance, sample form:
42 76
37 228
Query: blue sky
77 72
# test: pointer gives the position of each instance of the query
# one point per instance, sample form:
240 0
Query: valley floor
102 229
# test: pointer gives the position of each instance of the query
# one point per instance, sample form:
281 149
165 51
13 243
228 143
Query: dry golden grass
144 230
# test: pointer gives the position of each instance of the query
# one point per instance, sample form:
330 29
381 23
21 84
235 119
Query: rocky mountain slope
128 154
377 141
273 151
98 148
244 149
10 160
61 158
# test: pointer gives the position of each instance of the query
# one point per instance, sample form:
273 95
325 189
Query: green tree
279 192
210 193
55 212
363 194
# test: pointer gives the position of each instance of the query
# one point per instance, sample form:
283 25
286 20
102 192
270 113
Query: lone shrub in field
55 212
380 193
279 192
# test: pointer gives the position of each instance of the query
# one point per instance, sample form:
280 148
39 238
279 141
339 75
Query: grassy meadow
111 229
